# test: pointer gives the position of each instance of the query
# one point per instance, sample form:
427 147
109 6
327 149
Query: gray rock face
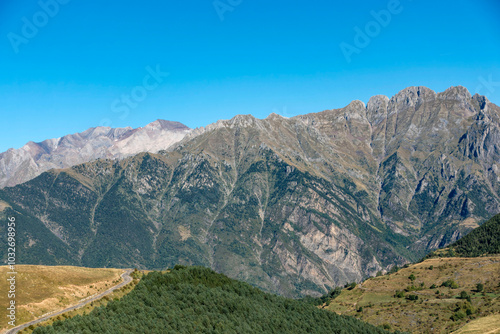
20 165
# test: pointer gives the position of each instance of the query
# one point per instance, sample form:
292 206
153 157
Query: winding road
126 280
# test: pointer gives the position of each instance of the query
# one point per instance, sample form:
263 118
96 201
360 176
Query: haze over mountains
21 165
292 205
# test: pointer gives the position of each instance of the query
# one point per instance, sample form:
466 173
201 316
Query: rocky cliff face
293 205
21 165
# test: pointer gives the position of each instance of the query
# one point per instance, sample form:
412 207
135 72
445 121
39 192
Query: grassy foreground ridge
198 300
46 289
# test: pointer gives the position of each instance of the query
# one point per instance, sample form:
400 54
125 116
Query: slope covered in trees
198 300
483 240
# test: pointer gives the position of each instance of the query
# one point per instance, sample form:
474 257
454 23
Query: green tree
458 315
399 294
450 283
412 297
463 295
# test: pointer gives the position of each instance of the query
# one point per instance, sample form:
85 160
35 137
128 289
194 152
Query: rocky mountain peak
482 100
275 116
413 96
375 102
20 165
161 124
238 121
377 108
357 104
457 93
242 121
102 131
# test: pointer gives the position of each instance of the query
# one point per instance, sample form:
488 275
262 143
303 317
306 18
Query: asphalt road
126 279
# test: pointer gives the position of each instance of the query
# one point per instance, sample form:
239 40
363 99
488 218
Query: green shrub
412 297
394 269
464 295
450 284
351 286
399 294
458 316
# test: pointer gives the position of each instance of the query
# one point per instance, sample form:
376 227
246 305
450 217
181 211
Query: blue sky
78 64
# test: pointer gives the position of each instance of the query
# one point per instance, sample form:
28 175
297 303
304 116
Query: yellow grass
117 294
45 289
486 325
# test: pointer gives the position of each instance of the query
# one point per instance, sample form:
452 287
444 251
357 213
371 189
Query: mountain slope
387 300
294 206
21 165
481 241
436 295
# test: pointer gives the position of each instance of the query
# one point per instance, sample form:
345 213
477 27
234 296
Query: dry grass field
374 300
486 325
117 294
45 289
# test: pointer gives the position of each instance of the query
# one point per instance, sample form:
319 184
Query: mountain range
21 165
292 205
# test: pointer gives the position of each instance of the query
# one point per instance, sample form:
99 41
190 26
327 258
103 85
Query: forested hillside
198 300
483 240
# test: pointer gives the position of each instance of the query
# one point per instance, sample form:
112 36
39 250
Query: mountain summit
20 165
293 205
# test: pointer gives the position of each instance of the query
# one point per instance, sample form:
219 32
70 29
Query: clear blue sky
261 57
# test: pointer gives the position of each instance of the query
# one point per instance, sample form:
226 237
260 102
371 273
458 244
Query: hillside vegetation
198 300
483 240
438 295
